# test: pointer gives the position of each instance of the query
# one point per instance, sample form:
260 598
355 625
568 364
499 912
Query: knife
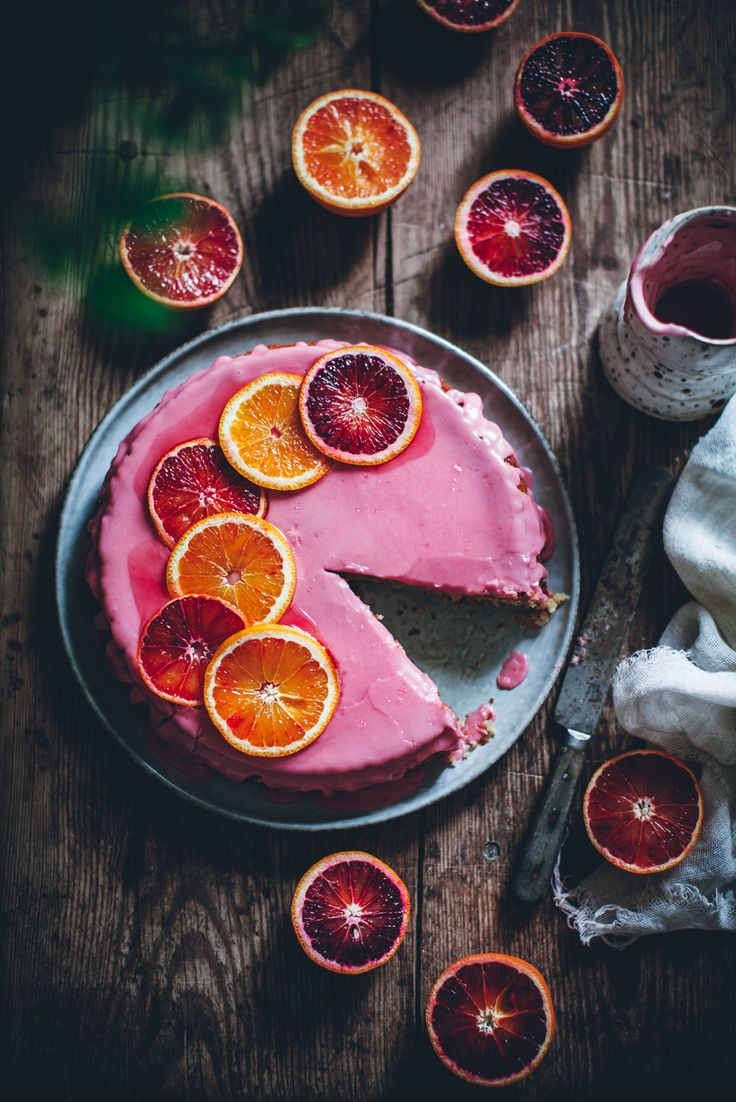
590 670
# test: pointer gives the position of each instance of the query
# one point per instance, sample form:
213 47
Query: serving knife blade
590 670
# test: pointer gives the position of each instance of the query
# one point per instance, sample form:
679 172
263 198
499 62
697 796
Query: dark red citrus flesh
357 403
183 248
643 809
515 227
470 13
353 914
196 482
491 1020
180 640
568 85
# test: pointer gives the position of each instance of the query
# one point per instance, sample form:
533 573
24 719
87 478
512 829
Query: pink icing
447 513
513 671
479 724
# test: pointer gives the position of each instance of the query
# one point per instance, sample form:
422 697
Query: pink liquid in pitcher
703 306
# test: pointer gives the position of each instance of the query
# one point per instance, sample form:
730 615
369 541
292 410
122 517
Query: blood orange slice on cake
490 1019
569 89
469 15
194 481
643 811
354 151
271 690
350 912
360 405
242 560
178 642
513 228
182 250
262 436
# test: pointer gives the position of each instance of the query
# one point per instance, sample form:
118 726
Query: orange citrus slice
270 690
360 405
262 437
241 559
182 250
354 151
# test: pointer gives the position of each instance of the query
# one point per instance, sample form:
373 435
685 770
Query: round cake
453 513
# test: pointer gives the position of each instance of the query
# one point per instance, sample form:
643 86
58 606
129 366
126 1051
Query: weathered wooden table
147 947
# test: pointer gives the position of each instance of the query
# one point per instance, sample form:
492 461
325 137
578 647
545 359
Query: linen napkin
681 696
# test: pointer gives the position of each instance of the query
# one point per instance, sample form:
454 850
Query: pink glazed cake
452 513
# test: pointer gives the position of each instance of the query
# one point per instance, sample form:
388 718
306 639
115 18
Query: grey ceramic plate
481 635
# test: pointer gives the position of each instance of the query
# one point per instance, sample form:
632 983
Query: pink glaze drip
513 671
549 536
446 514
479 724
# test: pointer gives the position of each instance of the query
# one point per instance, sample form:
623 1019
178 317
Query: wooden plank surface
147 949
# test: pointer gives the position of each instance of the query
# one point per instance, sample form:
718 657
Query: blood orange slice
262 437
643 811
350 912
490 1019
183 250
271 690
360 405
469 15
194 481
243 560
177 643
569 89
513 228
354 151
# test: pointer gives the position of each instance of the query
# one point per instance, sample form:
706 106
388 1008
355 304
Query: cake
453 513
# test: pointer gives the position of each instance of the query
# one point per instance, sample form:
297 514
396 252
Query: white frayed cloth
681 696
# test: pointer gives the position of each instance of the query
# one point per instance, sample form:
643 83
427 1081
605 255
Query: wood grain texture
147 951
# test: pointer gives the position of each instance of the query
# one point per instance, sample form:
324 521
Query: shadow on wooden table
512 146
122 327
459 301
416 49
293 242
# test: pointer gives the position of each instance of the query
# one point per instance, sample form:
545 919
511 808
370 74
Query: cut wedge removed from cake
452 512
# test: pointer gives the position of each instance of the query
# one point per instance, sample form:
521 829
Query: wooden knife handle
539 853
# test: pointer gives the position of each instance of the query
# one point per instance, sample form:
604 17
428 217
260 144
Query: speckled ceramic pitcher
668 339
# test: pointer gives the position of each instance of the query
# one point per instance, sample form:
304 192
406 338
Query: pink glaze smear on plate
513 671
